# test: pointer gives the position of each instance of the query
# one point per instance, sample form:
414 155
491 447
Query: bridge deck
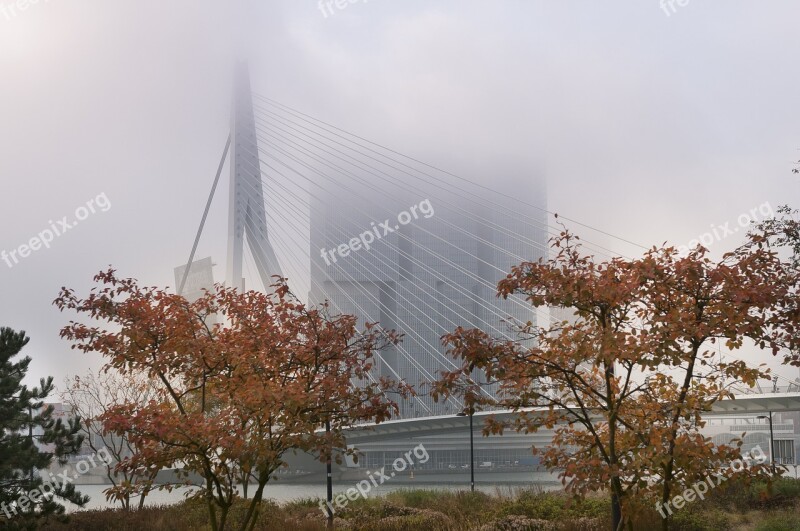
754 404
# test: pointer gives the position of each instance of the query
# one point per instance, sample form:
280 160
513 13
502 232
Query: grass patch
554 506
760 507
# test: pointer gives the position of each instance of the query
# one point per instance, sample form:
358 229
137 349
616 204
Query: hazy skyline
653 125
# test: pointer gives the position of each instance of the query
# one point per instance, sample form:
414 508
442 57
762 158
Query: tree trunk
212 513
251 516
616 513
665 494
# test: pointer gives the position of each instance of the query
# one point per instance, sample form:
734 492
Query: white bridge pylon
246 213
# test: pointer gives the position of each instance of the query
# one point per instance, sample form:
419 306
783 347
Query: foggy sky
649 126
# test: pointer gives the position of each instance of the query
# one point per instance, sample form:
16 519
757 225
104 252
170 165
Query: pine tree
25 495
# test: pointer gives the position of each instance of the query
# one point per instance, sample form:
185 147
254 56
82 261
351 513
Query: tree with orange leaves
625 386
232 398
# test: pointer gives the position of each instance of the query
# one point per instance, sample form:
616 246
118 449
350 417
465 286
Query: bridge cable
370 296
409 357
449 188
276 103
205 215
470 295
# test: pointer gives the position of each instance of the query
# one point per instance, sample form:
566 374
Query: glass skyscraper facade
424 278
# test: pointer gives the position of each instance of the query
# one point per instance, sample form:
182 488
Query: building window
784 452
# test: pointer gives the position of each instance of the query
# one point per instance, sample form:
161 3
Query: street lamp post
771 440
330 480
471 450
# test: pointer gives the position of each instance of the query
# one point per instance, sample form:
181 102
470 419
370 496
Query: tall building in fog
427 277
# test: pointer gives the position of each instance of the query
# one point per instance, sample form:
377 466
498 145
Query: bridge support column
247 211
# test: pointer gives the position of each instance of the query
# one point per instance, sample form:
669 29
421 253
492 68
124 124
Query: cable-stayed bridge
378 234
394 240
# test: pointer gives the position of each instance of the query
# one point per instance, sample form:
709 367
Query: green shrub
423 519
555 506
787 487
417 497
408 510
779 522
303 502
702 518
